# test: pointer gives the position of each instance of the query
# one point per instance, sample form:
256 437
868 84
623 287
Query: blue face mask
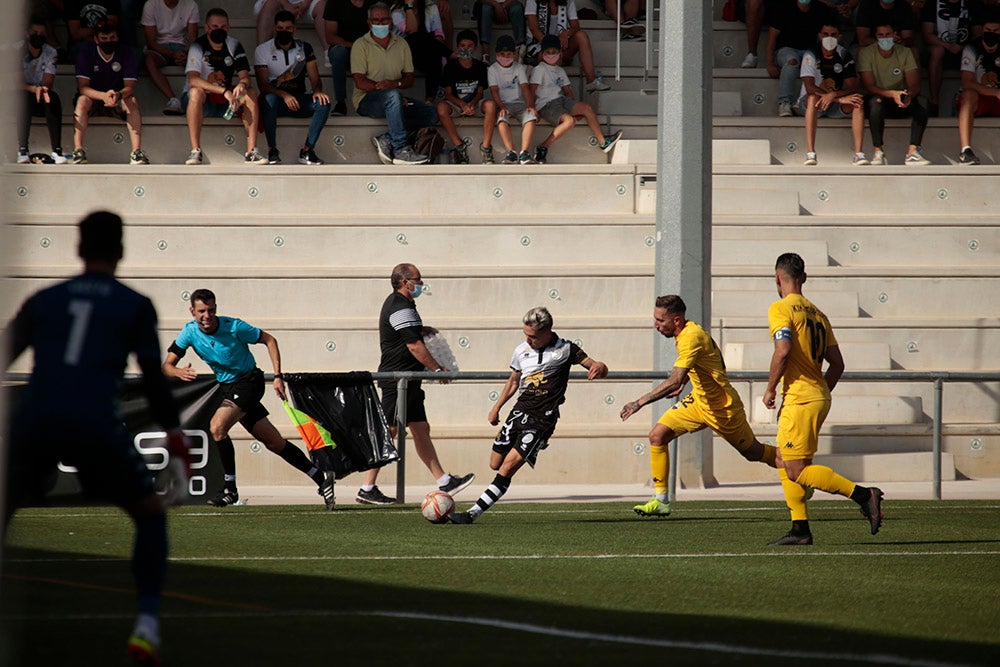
380 31
805 2
886 43
889 2
417 291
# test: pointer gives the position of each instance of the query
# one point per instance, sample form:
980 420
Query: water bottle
228 113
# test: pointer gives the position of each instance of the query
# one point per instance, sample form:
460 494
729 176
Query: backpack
427 141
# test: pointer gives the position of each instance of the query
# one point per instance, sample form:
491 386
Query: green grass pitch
528 584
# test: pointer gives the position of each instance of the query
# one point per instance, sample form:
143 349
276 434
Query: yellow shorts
688 416
798 428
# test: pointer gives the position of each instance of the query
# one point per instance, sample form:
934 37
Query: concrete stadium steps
868 245
936 190
359 189
880 296
848 409
645 152
835 146
736 302
757 356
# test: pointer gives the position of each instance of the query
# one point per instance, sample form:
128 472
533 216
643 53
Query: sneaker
273 156
633 36
519 52
79 156
794 539
597 85
326 61
461 518
23 157
143 650
609 142
339 108
195 157
524 157
810 159
456 484
308 156
173 107
966 157
784 109
878 158
326 490
59 158
915 159
409 156
254 156
860 159
373 497
510 158
872 508
749 61
487 153
541 154
460 154
225 498
383 146
652 508
138 157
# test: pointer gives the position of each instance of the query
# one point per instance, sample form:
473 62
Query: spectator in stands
554 98
510 89
946 28
345 21
843 12
891 78
488 12
830 90
265 10
794 27
980 94
872 13
105 77
447 25
631 28
418 22
382 66
558 17
47 11
465 81
40 98
754 17
214 60
282 65
82 17
979 10
170 27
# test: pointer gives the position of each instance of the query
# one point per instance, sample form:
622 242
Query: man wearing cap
105 78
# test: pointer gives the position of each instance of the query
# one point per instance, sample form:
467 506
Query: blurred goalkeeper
539 375
82 331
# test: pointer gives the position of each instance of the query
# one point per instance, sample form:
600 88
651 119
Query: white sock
966 148
147 626
662 497
443 479
367 487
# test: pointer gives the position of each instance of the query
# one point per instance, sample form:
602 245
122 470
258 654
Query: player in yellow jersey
712 403
803 340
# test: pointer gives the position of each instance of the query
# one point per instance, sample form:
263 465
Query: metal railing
938 378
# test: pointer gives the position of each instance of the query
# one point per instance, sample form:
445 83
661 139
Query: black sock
227 455
861 494
298 460
800 527
492 494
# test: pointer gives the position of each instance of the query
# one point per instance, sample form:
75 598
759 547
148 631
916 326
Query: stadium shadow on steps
58 612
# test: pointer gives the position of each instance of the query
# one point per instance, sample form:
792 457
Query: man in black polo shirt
401 337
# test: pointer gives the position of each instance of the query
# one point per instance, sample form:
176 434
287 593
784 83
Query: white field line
474 557
500 624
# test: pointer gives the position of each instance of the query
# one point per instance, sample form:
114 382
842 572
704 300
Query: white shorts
257 6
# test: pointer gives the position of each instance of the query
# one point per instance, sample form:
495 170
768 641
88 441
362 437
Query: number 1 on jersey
80 311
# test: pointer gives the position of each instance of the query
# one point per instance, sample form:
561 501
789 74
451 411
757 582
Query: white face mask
829 43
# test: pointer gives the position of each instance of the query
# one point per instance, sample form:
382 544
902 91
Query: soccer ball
437 506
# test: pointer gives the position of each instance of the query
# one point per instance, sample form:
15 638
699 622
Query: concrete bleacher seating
905 261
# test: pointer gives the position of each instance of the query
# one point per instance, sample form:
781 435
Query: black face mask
36 41
107 48
991 39
283 38
218 35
